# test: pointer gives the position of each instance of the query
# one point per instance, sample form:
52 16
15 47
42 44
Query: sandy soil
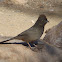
13 22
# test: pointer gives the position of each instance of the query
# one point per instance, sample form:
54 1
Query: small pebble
1 34
1 13
32 21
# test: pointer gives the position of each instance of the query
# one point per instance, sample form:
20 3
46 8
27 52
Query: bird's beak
47 21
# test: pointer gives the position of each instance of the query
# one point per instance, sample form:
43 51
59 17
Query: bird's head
42 20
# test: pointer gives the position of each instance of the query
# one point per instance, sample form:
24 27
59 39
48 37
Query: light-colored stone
54 35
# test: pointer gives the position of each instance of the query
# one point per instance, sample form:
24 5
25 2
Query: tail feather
7 40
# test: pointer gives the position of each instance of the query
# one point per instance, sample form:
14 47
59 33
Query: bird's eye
46 19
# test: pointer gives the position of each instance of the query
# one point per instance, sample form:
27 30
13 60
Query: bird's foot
34 49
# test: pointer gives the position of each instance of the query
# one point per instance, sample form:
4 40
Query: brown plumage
33 33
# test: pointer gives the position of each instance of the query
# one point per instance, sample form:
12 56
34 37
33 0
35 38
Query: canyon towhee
33 33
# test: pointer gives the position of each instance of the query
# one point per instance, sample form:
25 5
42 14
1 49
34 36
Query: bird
33 33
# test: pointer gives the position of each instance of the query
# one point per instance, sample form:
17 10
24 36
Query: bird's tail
7 40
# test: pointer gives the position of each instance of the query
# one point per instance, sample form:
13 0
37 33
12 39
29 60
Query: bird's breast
36 34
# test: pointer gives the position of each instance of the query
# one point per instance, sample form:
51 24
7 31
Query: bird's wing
26 33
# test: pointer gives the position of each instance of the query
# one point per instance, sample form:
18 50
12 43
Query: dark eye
46 19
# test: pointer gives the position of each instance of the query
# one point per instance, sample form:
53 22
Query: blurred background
19 15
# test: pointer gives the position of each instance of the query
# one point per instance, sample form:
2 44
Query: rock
20 53
54 35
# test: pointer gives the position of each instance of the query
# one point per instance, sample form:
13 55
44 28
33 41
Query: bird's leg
29 45
35 45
